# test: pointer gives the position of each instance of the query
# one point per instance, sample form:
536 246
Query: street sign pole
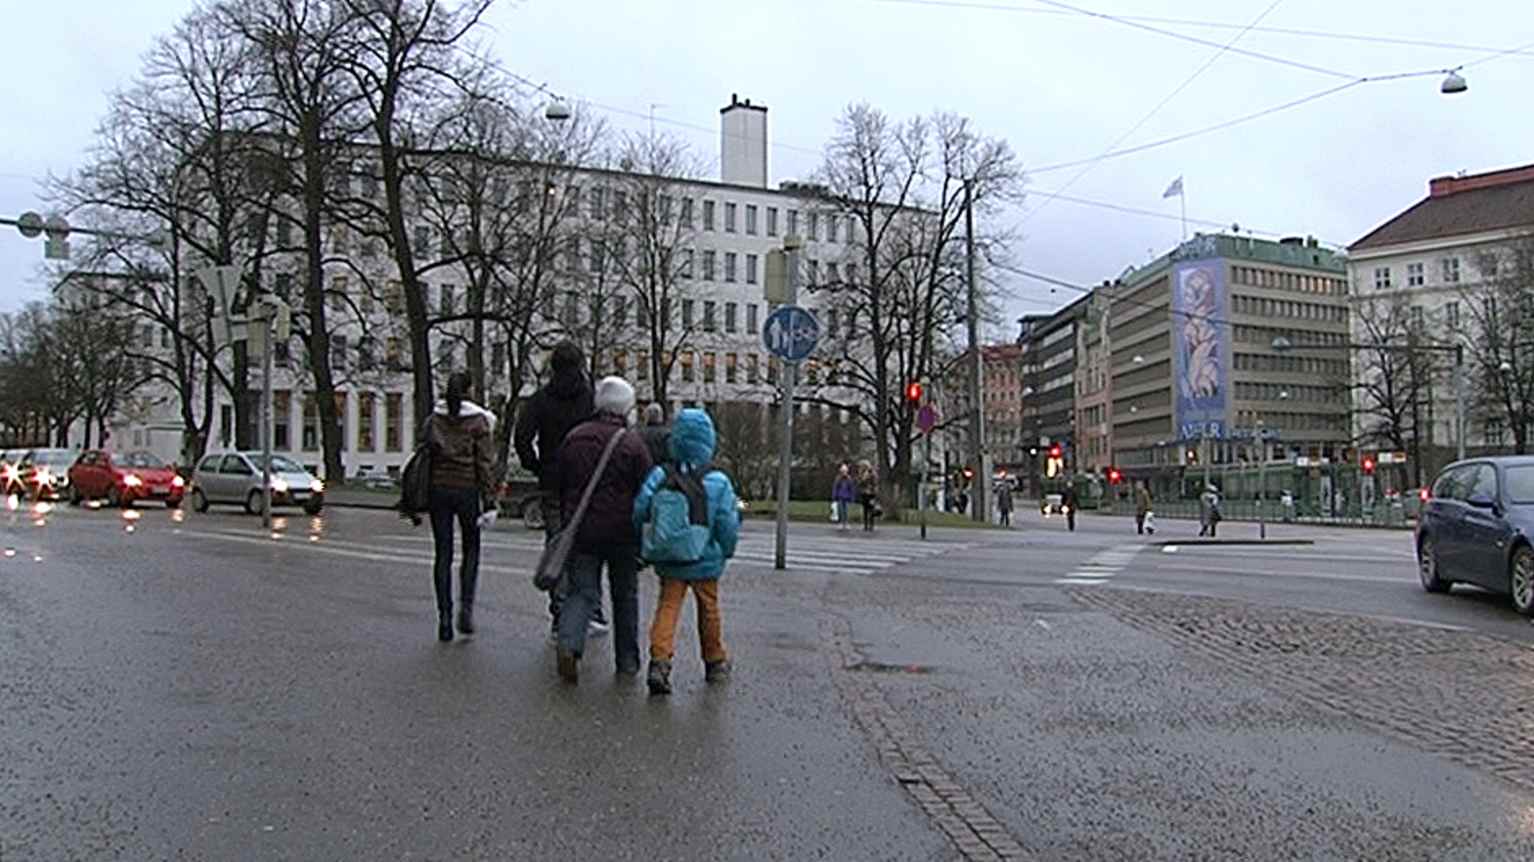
791 245
268 314
1262 482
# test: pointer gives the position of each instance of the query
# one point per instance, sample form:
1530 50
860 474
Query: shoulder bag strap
591 485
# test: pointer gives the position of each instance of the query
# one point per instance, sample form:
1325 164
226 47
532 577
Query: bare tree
650 244
303 52
1393 378
1500 311
901 286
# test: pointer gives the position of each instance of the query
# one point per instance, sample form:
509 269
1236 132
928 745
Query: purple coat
844 490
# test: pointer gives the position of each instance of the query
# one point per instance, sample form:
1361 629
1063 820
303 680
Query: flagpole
1182 200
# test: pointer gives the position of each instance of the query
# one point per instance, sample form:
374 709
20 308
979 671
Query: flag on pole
1174 190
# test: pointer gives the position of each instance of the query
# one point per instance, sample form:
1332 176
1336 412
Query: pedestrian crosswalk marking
1100 568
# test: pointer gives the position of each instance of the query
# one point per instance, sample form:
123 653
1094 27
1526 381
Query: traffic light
1055 451
1114 476
913 392
1368 465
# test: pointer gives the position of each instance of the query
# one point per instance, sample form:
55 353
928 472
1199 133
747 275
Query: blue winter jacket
692 446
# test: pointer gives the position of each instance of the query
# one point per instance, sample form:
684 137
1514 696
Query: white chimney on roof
743 143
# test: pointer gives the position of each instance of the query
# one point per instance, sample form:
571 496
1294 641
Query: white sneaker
596 628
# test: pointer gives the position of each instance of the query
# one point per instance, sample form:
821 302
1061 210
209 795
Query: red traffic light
913 392
1114 476
968 473
1368 465
1055 451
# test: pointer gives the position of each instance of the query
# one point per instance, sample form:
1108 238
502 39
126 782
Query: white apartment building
1426 259
730 226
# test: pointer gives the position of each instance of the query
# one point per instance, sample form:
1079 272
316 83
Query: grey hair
654 414
614 396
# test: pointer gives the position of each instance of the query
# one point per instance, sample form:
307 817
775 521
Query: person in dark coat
606 535
462 490
656 433
561 404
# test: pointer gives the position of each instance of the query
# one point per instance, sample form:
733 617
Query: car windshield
1520 484
54 458
279 464
140 460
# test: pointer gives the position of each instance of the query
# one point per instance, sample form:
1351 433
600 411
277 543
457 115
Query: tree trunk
314 301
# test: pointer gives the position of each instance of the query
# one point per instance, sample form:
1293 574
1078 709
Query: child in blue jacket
692 448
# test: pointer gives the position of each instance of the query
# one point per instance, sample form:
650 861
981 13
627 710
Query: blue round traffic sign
791 333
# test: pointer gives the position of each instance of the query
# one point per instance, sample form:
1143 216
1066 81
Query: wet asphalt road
198 689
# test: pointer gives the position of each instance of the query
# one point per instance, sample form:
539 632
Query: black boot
466 619
444 626
659 679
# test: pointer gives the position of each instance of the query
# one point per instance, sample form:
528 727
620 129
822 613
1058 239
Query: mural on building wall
1200 349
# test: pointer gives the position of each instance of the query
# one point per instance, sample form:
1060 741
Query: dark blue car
1475 528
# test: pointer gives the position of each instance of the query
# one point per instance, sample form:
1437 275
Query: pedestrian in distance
1209 512
868 494
656 433
458 434
843 491
1069 503
1142 507
559 405
689 523
606 536
1004 502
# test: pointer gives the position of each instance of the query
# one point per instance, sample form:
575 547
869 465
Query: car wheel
115 499
532 515
199 501
1521 580
1427 567
75 498
255 502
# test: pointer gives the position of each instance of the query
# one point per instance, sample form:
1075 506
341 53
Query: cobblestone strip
1462 696
979 836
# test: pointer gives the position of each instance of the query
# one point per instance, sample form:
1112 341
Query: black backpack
415 484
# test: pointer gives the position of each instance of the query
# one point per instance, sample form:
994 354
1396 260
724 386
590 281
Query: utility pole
791 249
976 366
268 313
1459 399
1262 481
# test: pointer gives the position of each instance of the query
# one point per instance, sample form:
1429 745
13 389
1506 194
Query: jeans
447 505
548 504
841 513
673 594
585 595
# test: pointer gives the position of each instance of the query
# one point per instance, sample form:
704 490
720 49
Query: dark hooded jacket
560 405
609 518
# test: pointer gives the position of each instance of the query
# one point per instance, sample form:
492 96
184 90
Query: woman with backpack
688 521
457 434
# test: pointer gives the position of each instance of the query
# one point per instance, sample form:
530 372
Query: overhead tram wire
1228 25
1186 82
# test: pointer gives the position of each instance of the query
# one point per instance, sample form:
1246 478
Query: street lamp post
977 364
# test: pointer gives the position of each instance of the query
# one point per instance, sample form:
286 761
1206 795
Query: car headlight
317 486
132 481
178 482
43 476
280 485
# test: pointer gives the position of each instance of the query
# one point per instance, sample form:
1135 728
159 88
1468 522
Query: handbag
551 564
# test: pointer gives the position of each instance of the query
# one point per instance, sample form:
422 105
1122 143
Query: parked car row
39 474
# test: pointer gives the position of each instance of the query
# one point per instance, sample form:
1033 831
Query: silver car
235 477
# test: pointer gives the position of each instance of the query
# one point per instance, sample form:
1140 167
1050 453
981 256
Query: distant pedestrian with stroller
843 492
689 523
462 457
868 494
1142 506
605 537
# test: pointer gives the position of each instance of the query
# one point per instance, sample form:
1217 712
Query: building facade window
729 266
831 228
687 371
311 430
338 352
1382 278
709 362
687 307
751 219
394 421
686 271
282 404
812 226
1414 275
729 218
753 372
793 222
686 214
708 215
365 441
751 318
708 265
642 366
729 316
710 318
1451 270
597 201
730 371
772 221
750 269
1451 314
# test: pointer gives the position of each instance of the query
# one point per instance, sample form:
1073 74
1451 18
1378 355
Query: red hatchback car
124 479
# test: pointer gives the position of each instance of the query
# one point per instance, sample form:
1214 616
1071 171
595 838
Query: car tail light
1423 495
178 482
43 476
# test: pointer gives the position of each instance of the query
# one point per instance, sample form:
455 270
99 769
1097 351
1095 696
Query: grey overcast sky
1059 85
